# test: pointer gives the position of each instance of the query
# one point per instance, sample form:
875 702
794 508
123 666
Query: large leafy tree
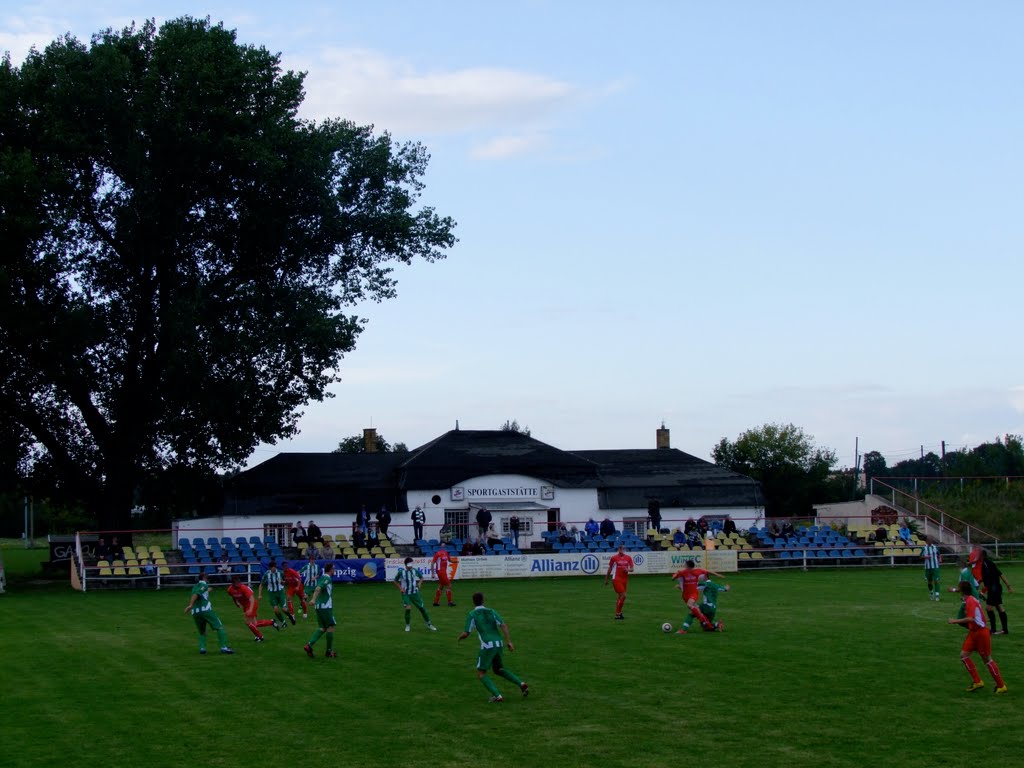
179 251
791 469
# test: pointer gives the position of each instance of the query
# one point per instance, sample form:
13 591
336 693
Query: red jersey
291 577
689 578
974 612
620 566
440 563
242 595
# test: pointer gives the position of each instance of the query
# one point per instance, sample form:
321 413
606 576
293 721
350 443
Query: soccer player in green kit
273 579
323 604
708 604
408 581
202 612
491 628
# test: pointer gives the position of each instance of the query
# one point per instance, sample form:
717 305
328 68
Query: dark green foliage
179 253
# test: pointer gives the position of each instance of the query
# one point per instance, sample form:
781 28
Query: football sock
222 636
700 616
971 670
290 609
330 640
991 619
202 641
437 595
448 593
994 671
686 624
426 616
408 615
1002 620
490 686
317 633
264 623
510 676
255 632
619 603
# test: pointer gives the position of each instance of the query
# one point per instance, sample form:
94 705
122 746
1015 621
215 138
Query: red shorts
442 578
619 585
250 612
691 594
292 591
979 641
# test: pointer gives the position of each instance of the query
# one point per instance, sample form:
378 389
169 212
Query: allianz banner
358 570
576 564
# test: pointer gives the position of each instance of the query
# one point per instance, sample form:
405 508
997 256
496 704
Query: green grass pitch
826 668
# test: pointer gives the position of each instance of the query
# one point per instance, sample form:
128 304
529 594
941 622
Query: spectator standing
363 518
492 630
383 521
513 527
493 539
202 613
323 604
419 517
977 641
729 526
483 519
313 534
654 513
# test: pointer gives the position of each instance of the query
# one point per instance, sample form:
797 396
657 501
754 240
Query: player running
710 590
323 603
202 613
978 640
491 629
408 581
689 584
245 599
293 587
310 574
439 563
274 581
621 565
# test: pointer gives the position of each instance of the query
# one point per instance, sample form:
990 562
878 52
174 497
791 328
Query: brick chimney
662 440
370 440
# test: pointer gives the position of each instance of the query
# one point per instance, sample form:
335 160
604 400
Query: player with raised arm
620 565
408 581
439 563
978 640
244 598
492 630
323 603
202 613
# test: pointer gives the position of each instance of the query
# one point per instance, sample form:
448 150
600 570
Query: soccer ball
666 627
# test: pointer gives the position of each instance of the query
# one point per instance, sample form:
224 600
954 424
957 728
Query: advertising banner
358 570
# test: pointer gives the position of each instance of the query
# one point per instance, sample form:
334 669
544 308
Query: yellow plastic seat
118 566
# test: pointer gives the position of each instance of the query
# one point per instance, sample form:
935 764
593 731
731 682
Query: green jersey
487 624
409 580
930 553
711 590
325 585
273 580
202 593
966 575
310 573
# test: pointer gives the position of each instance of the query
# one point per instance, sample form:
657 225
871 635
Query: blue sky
712 215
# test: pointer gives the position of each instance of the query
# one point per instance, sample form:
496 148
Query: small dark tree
513 426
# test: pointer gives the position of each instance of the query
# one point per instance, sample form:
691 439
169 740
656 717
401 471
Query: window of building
456 524
637 525
282 533
525 526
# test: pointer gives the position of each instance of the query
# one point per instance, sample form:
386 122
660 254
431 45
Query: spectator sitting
729 527
358 537
787 530
102 549
694 540
574 532
592 528
690 526
372 537
327 551
702 526
116 553
478 548
224 566
678 537
607 528
147 565
563 534
298 533
467 547
905 534
773 531
313 535
492 537
881 534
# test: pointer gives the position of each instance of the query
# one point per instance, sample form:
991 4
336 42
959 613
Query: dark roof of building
632 478
462 454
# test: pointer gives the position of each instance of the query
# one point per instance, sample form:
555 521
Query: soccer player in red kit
621 565
978 640
689 581
292 587
244 599
440 562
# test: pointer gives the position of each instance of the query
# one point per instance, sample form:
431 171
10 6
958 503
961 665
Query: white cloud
506 146
368 87
1017 398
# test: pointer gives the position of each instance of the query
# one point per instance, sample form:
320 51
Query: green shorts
490 658
413 599
277 598
325 617
207 618
931 574
710 611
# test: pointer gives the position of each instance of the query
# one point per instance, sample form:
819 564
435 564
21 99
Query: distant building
452 477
